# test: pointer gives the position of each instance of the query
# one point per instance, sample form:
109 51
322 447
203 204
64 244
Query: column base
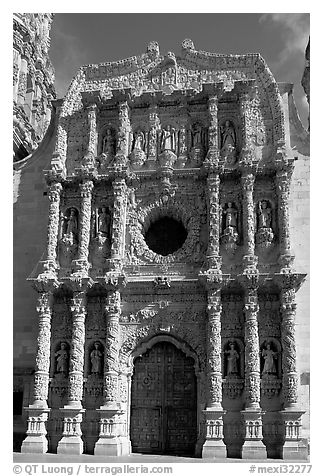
112 446
253 450
36 441
295 450
112 440
294 447
34 445
70 445
214 449
214 446
253 447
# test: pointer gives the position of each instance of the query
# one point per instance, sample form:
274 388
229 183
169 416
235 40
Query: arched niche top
144 346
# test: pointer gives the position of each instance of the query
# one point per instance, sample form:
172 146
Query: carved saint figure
103 222
228 136
264 215
230 215
269 364
232 360
96 359
168 139
196 135
108 143
71 223
61 357
139 141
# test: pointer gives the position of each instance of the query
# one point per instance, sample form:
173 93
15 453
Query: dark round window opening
165 236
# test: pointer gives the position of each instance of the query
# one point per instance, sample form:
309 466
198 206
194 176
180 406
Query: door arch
163 415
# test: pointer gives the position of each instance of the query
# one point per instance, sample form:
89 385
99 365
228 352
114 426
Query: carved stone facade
33 81
168 239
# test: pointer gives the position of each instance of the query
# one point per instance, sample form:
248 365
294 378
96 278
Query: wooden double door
163 402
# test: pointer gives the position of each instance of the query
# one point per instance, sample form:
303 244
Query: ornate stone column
213 208
36 441
253 447
72 443
182 136
246 94
154 125
123 133
213 145
247 184
54 196
283 178
214 446
112 439
22 79
118 223
81 265
293 448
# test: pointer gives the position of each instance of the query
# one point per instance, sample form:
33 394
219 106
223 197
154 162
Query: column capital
86 187
54 191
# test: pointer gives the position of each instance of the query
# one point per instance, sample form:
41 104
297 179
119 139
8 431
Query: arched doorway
163 402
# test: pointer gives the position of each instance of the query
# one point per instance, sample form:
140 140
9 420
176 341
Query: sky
84 38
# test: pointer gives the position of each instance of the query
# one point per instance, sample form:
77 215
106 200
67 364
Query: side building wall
30 217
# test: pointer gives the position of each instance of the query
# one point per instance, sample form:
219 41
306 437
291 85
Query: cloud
295 30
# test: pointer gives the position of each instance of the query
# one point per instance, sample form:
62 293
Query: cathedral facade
167 290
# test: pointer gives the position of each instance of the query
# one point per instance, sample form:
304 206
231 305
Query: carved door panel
163 402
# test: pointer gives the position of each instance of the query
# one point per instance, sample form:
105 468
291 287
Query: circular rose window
165 236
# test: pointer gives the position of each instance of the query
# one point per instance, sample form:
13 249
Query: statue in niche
232 360
70 227
103 222
264 215
138 155
230 213
168 141
61 357
264 234
197 136
269 357
139 141
96 358
68 237
101 236
228 141
108 143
